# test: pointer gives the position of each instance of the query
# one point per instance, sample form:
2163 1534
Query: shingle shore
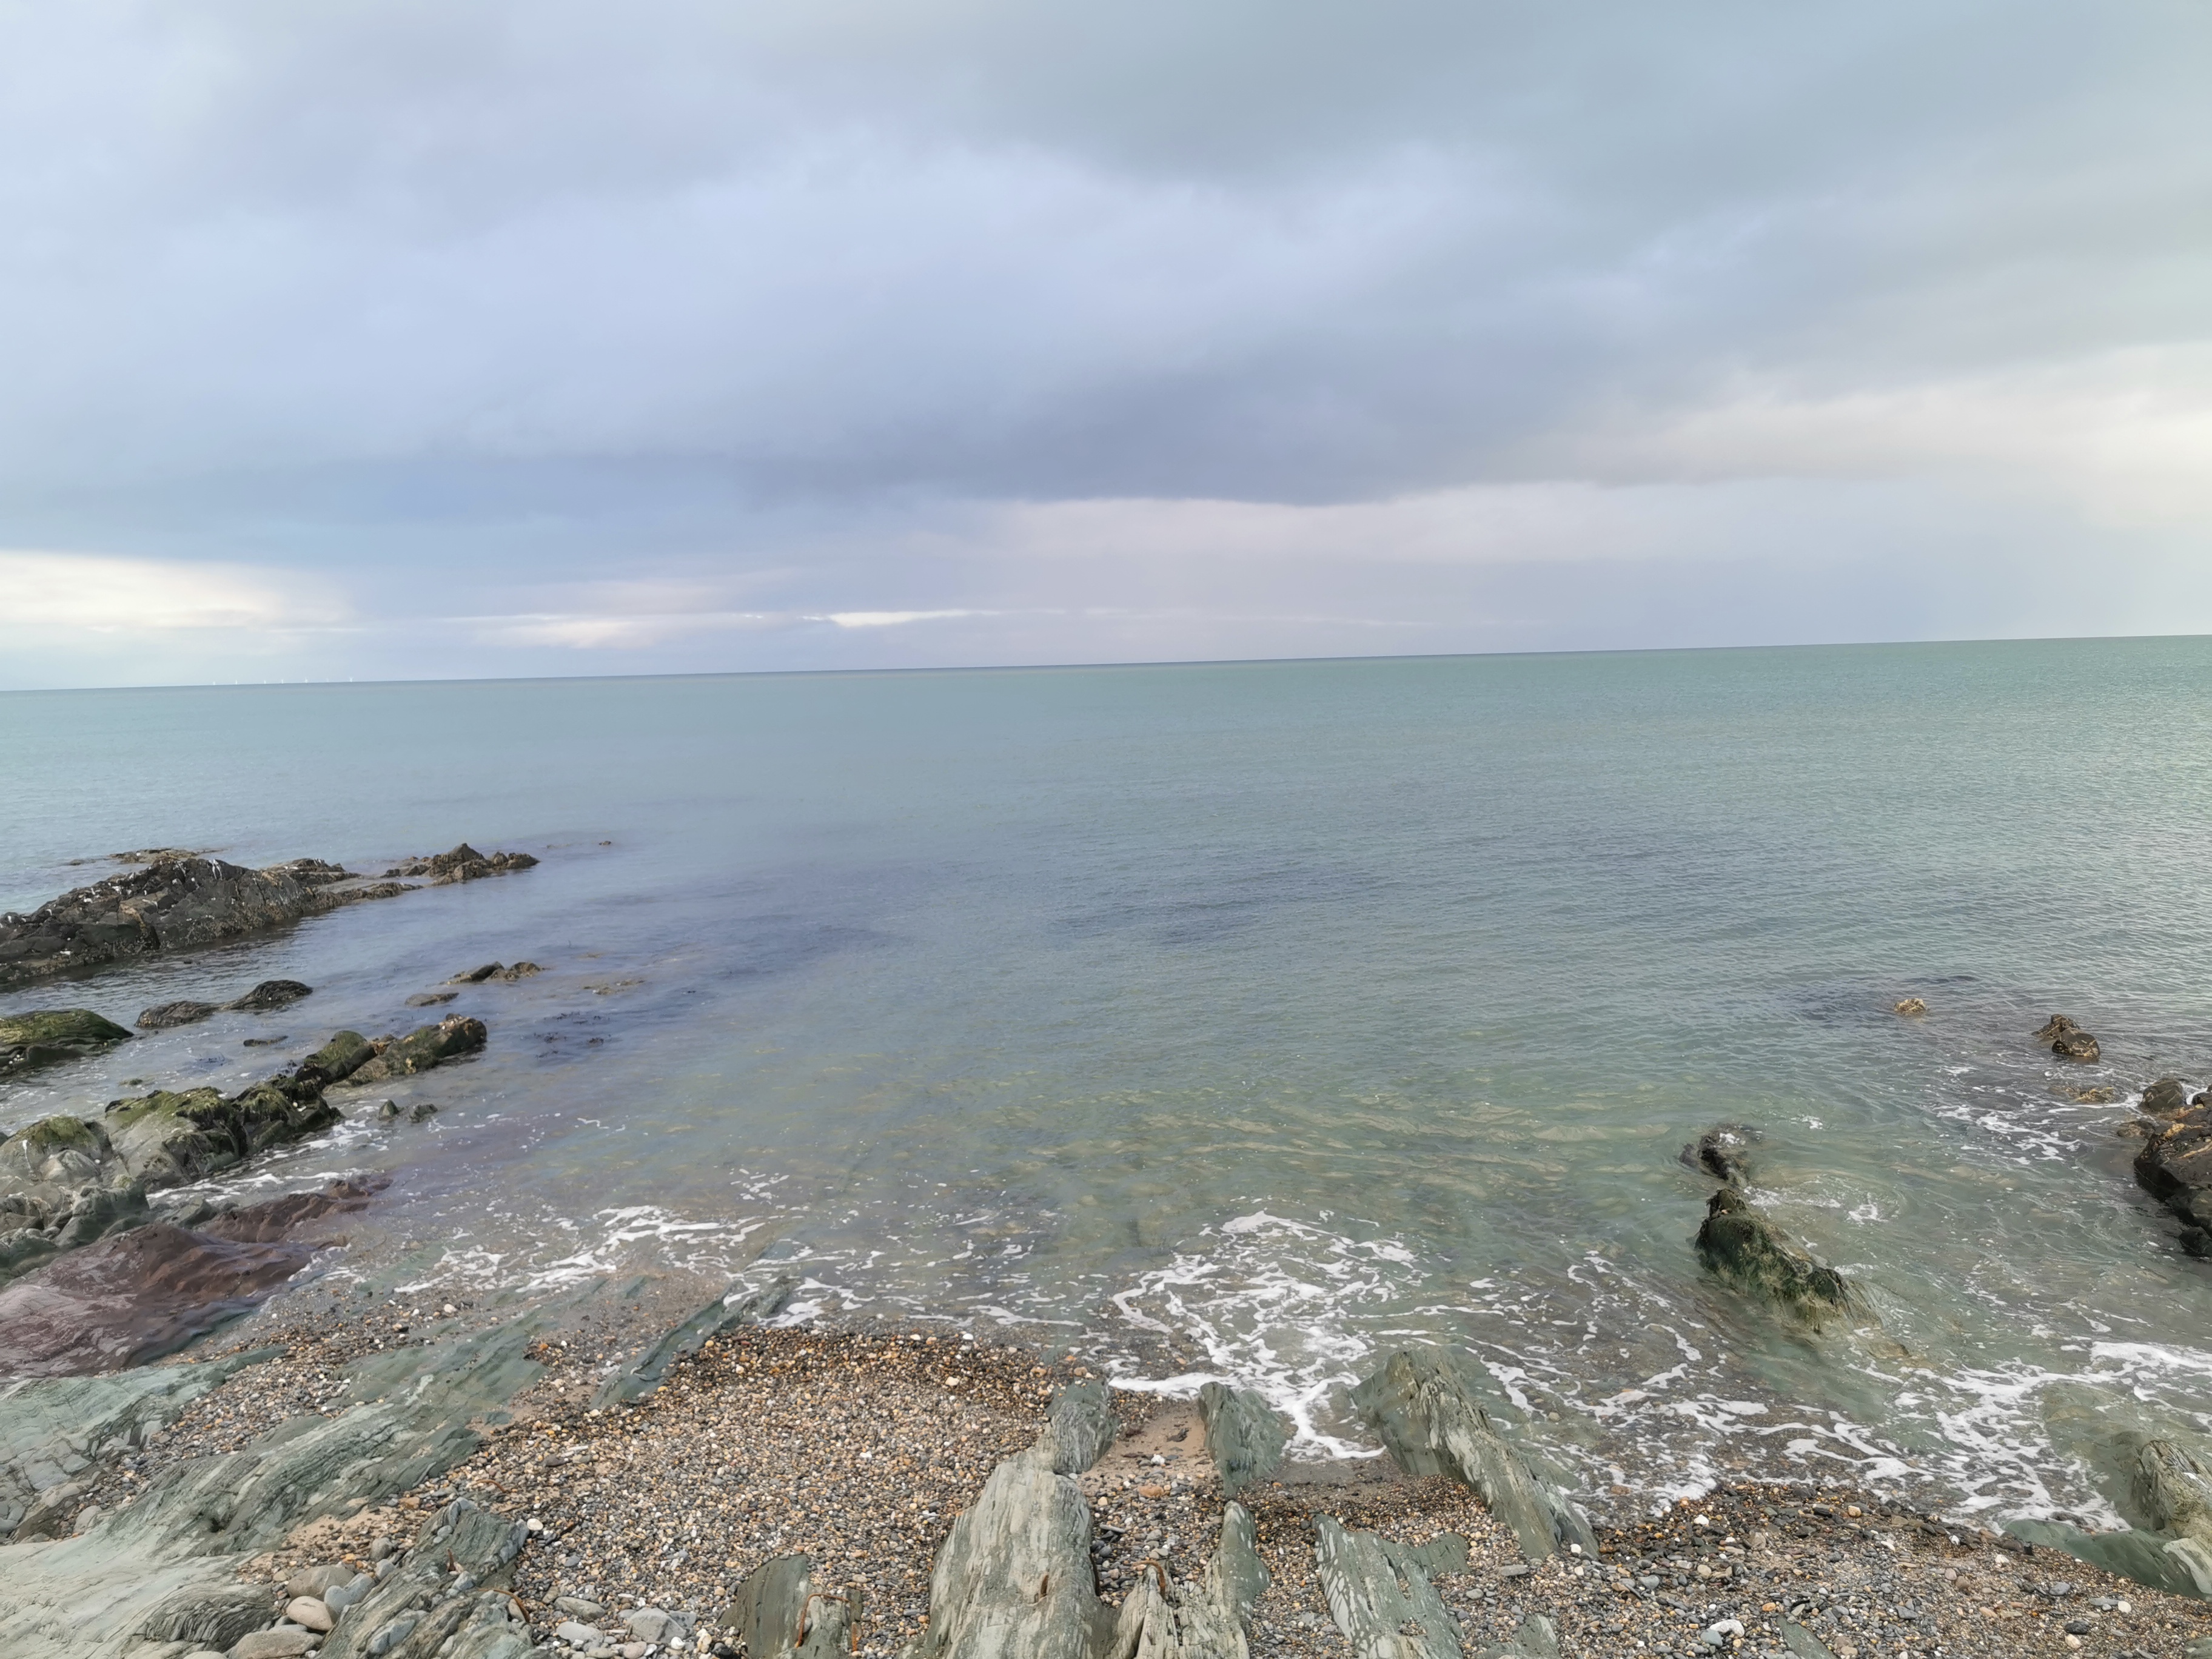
858 1447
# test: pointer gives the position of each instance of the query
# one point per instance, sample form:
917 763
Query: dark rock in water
166 1016
337 1059
2067 1040
51 1035
278 1219
1724 1152
272 993
2175 1165
430 999
734 1307
421 1049
1739 1244
266 1042
463 863
2167 1098
170 905
151 855
1380 1593
1432 1426
520 970
168 1138
477 976
1245 1435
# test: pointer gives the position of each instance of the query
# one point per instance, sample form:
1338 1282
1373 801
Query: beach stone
422 1049
338 1597
272 994
308 1612
1244 1436
313 1580
1739 1244
578 1635
578 1606
1724 1152
2167 1098
49 1036
284 1642
1432 1425
171 904
204 1653
653 1625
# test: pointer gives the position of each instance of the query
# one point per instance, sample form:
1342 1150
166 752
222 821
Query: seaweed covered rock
421 1049
168 1138
1742 1244
1724 1152
47 1036
1159 1620
346 1052
1381 1593
172 904
2067 1040
1432 1426
61 1185
1245 1435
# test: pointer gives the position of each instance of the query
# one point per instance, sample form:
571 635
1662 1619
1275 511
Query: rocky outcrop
1014 1581
1159 1620
777 1612
1244 1436
1724 1152
2175 1167
50 1035
2067 1040
1432 1426
734 1307
464 863
1742 1244
1381 1593
168 1138
2167 1098
420 1049
173 904
269 994
62 1186
162 1569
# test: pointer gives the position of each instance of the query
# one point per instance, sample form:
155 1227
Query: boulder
2173 1491
421 1049
283 1642
1381 1594
272 994
1742 1244
1724 1152
1244 1436
2067 1040
337 1060
171 904
2167 1098
2175 1165
168 1138
1432 1426
48 1035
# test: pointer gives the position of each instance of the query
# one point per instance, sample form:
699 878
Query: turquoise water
1246 1020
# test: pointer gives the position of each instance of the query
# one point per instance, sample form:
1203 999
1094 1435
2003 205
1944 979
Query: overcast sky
530 336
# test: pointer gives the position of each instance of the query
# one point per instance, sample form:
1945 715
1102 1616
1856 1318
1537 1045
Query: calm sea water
1249 1020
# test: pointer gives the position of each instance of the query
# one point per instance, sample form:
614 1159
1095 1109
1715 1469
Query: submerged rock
1724 1152
1380 1593
2067 1040
421 1049
495 971
346 1052
50 1035
166 1016
172 904
1432 1426
1244 1436
1743 1246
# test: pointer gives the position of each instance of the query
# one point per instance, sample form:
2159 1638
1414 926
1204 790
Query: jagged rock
2173 1491
2175 1165
163 1567
51 1035
1013 1581
734 1307
421 1049
1079 1427
463 863
272 994
1380 1595
1245 1435
777 1612
172 904
1433 1426
1912 1007
1740 1242
2067 1040
2167 1098
1724 1152
61 1185
1207 1621
520 970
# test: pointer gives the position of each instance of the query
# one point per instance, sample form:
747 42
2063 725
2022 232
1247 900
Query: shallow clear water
1246 1020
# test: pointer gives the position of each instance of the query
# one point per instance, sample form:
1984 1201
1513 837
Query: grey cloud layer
577 292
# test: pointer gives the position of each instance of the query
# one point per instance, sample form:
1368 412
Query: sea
1249 1021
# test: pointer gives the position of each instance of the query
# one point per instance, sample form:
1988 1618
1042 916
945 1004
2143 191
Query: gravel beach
858 1447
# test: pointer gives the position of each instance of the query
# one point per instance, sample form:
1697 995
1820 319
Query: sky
528 336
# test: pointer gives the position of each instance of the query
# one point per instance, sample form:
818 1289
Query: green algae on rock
1742 1244
46 1036
420 1048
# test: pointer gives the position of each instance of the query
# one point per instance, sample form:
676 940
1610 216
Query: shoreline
857 1445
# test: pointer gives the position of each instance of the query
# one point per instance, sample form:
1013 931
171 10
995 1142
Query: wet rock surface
1244 1436
48 1036
463 863
2175 1167
1742 1244
1724 1152
171 904
2068 1040
421 1049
